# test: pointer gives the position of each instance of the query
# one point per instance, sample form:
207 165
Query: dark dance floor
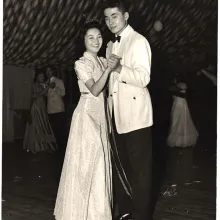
30 185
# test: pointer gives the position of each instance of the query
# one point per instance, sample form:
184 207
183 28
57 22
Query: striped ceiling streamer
46 32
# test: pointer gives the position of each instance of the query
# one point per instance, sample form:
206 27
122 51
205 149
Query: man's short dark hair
115 4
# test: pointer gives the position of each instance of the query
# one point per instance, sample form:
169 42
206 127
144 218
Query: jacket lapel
109 49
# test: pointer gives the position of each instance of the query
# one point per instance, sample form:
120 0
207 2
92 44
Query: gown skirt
85 190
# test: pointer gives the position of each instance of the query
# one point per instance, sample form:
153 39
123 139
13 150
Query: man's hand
114 63
52 85
118 69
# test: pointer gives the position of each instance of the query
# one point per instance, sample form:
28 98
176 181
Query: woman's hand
114 62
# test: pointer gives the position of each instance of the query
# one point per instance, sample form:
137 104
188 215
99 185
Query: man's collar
119 37
123 33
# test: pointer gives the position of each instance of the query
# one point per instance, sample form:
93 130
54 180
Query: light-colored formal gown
183 132
85 190
39 136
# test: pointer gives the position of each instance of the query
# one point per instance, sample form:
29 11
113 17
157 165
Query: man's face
115 20
49 72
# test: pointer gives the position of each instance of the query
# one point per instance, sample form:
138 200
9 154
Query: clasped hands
113 63
52 85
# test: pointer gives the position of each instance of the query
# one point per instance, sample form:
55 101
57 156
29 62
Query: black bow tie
115 38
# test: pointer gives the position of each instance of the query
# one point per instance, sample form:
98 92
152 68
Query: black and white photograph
109 110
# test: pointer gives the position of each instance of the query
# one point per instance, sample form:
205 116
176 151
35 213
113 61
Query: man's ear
126 15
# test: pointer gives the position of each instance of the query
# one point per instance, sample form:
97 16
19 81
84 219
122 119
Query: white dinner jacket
128 93
55 103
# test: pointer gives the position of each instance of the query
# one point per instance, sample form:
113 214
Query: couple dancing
91 164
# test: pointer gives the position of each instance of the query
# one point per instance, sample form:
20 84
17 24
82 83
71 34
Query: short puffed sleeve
84 70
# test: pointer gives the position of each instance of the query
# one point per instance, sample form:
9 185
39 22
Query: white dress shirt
116 44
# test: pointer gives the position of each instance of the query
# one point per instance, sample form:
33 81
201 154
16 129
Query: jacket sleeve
138 74
60 88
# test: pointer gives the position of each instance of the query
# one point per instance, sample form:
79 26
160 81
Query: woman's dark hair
37 73
115 4
88 25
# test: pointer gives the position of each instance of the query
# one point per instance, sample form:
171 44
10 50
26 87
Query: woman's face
93 40
41 78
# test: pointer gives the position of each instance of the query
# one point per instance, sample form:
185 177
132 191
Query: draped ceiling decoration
45 32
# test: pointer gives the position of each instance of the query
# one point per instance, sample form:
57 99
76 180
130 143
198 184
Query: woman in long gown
182 132
85 189
38 134
181 140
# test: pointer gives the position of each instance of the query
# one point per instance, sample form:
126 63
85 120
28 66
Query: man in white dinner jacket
129 55
56 111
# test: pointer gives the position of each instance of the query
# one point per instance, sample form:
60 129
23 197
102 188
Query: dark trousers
180 161
135 152
59 127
